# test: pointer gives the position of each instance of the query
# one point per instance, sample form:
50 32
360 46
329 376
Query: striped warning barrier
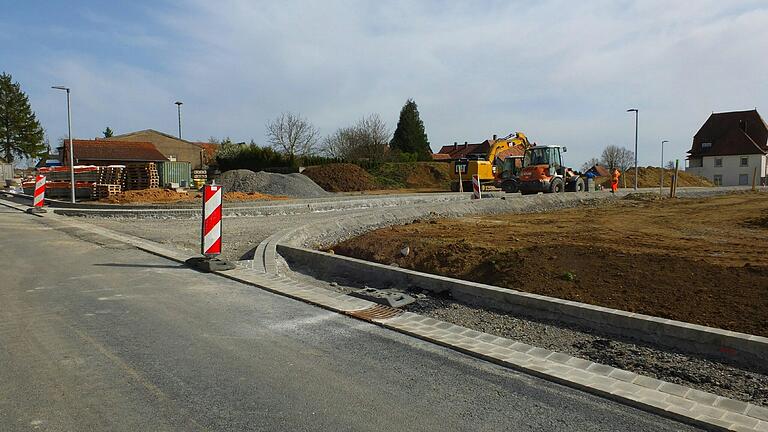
39 195
211 241
476 194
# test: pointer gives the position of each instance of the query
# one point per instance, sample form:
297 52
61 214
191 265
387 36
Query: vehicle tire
575 186
556 185
579 185
509 186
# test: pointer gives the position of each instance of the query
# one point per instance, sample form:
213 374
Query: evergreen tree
20 133
409 136
108 132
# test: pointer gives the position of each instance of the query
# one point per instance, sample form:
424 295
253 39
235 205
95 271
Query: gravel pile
291 185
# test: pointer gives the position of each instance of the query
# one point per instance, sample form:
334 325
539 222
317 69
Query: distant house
173 148
729 147
466 150
598 170
104 152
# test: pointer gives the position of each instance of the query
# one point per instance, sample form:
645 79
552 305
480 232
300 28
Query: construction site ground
699 260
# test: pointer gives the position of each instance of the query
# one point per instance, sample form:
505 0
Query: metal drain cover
384 297
377 312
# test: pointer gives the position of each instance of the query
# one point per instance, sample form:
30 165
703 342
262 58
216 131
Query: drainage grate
376 313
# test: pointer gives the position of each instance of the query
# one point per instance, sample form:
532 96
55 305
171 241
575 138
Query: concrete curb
741 348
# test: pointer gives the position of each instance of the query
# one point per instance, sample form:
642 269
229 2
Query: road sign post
476 192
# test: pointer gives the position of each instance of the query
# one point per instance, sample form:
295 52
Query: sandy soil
703 261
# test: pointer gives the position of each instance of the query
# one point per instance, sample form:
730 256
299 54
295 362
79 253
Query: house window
706 146
695 163
718 162
743 179
744 161
717 180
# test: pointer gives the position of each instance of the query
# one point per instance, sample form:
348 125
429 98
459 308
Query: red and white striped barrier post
211 242
476 193
39 194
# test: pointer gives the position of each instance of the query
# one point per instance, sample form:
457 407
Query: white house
730 148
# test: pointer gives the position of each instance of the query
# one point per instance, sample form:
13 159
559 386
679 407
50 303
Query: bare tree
292 134
590 163
367 139
617 157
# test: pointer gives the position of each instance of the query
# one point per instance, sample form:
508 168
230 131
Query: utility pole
71 149
178 105
637 112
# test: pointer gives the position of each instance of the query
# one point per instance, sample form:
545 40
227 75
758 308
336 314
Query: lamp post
178 105
71 149
661 183
636 115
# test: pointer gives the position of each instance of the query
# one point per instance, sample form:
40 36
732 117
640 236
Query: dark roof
149 131
599 170
114 151
458 151
731 133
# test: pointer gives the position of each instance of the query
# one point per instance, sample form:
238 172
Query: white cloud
563 72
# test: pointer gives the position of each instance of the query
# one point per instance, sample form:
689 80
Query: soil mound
650 177
148 196
290 185
434 175
342 177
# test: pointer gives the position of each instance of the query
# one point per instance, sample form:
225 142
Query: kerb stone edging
749 349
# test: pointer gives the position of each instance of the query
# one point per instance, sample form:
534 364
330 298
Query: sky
562 72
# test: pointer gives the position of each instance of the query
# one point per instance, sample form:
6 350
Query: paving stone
471 333
626 388
681 402
559 357
758 412
601 369
623 375
517 358
521 347
488 338
701 397
762 426
706 410
444 325
735 406
505 342
580 375
539 353
673 389
647 382
656 402
715 421
740 419
579 363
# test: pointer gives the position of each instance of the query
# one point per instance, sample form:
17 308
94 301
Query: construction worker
615 180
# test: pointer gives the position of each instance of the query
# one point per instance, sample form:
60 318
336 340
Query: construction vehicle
544 171
508 168
484 164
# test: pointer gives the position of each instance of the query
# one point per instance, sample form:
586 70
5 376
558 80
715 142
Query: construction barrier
476 193
39 195
211 241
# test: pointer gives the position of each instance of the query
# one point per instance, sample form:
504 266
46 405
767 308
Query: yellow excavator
485 165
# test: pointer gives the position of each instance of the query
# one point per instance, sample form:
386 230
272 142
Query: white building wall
731 168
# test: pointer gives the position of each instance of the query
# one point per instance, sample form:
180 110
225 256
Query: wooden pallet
100 190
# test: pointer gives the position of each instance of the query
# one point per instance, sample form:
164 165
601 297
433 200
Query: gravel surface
291 185
657 362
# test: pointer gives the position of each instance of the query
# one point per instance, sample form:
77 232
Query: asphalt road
98 336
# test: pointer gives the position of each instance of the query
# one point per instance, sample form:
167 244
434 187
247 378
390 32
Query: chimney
455 144
494 137
465 144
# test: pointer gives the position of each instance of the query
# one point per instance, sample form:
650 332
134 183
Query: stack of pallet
112 174
100 191
141 176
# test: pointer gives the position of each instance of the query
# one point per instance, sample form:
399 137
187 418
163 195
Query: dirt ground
703 261
163 196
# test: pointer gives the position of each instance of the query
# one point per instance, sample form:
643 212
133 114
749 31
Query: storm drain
377 312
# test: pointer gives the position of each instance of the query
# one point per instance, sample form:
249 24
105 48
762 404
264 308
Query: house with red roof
106 152
730 149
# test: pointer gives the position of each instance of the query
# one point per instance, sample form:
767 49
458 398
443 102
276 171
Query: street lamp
71 149
178 105
661 183
636 115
